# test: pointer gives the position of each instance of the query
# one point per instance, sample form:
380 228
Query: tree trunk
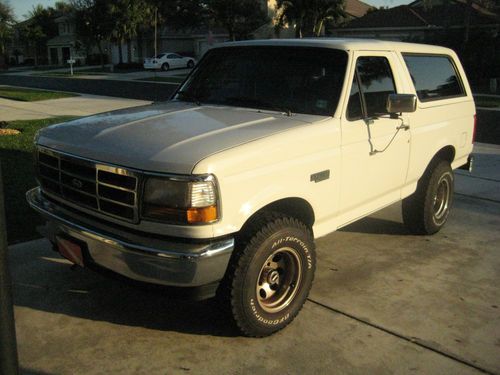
120 52
139 47
101 56
468 11
129 51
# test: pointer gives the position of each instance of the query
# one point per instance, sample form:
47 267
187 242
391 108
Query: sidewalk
83 105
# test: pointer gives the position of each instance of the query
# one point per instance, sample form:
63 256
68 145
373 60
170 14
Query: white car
169 60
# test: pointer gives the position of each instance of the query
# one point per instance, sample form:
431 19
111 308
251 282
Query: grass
171 79
487 101
28 95
16 158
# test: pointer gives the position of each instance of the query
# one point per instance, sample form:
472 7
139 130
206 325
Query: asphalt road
120 89
487 131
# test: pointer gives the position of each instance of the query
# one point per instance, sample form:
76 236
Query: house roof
356 8
416 15
61 40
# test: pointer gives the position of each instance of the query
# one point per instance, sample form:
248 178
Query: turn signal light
201 214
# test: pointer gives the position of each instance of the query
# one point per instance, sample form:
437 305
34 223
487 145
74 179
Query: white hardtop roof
347 44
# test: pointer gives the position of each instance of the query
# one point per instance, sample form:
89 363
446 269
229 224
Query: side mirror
397 103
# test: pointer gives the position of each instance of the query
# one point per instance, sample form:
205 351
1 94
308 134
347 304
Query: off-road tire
282 248
165 67
427 210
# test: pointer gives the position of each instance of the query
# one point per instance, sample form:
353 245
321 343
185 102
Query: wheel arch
446 153
295 207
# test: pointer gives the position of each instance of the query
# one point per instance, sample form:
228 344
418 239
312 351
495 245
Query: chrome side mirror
397 103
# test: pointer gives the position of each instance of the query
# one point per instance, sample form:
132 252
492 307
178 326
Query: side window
434 77
375 84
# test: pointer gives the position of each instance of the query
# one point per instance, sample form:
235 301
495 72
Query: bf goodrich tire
427 210
272 276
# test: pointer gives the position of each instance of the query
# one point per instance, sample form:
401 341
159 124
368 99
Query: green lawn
171 79
28 95
487 101
16 157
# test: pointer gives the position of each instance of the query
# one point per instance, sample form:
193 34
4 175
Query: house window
373 82
434 77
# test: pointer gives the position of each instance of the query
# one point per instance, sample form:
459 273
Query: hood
168 137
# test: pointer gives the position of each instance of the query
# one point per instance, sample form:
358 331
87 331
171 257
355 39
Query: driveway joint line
476 197
413 340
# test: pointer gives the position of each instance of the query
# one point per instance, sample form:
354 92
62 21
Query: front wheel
272 277
165 67
190 64
427 210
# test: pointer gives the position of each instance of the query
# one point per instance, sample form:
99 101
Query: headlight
181 202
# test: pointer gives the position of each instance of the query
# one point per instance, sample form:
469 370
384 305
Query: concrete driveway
383 302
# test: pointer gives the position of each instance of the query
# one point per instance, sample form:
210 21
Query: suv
264 147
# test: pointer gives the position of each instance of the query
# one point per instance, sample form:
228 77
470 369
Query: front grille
103 188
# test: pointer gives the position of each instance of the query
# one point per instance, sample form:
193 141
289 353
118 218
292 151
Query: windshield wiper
187 96
248 101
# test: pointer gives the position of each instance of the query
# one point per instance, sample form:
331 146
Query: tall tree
308 16
6 23
128 16
39 28
93 24
239 17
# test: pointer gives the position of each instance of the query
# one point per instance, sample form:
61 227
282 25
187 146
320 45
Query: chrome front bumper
140 257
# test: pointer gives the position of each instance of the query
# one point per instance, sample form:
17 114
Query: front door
65 55
374 152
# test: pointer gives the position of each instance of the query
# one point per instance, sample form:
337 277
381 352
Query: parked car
266 146
169 60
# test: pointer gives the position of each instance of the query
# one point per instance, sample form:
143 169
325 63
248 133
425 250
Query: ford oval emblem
76 183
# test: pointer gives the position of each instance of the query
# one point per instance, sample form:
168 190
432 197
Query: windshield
160 55
297 79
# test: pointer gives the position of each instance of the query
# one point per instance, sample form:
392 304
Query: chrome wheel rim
279 280
441 198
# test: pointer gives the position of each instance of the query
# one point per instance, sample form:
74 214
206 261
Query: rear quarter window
435 77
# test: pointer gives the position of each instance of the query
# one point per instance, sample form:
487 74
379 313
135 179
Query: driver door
374 152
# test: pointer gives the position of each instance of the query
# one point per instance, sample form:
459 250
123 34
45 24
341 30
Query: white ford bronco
265 146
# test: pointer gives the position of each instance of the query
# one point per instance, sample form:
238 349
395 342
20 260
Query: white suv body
262 182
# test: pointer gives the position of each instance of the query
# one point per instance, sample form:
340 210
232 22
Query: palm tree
128 16
327 10
292 12
308 16
6 22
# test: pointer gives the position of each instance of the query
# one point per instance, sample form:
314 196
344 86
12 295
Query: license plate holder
71 250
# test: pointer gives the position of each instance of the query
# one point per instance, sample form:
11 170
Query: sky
22 7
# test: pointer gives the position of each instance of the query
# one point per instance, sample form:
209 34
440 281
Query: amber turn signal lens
201 214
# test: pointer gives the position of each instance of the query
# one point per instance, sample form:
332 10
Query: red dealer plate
70 250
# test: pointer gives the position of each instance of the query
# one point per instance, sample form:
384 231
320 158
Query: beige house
65 45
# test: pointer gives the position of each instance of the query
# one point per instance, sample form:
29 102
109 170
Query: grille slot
103 188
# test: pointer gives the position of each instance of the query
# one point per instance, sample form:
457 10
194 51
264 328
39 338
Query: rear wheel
165 67
427 210
272 276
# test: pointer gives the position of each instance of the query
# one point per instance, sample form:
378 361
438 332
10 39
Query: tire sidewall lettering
297 241
266 321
